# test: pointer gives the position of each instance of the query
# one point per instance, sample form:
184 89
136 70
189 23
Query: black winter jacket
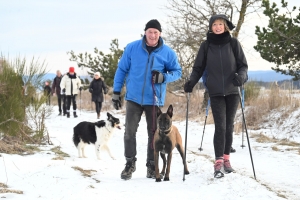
221 66
56 85
97 87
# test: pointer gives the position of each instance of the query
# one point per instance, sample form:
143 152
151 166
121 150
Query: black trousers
98 106
134 112
223 110
59 97
71 98
64 103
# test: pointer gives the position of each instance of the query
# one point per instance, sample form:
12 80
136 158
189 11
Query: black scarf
218 39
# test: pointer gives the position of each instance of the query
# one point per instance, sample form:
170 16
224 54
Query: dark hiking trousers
98 106
223 110
71 98
134 112
59 97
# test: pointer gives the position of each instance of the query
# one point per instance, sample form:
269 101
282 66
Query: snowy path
39 177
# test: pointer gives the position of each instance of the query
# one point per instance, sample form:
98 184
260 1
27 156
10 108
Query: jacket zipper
142 100
222 70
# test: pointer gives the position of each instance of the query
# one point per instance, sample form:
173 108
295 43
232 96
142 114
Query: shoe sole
125 178
219 174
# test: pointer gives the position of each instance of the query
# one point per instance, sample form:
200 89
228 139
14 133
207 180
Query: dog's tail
76 138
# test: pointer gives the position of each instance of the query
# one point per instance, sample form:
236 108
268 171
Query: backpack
233 44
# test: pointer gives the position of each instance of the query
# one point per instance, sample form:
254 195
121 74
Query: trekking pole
243 124
246 132
80 103
186 130
206 114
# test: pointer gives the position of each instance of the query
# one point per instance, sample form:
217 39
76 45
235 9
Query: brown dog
166 138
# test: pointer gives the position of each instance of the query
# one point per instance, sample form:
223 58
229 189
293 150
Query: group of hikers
66 88
147 65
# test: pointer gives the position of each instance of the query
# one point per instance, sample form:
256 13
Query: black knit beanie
154 23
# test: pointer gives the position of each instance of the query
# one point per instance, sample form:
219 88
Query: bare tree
188 24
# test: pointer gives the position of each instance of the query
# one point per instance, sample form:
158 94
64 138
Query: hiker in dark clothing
226 71
56 90
47 92
97 87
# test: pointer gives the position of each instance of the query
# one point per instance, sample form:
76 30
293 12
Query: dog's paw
99 158
161 175
113 158
166 179
158 180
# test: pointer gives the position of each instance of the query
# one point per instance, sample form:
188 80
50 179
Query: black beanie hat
154 23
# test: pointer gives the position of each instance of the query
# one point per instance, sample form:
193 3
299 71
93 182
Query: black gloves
80 89
116 99
105 90
157 77
64 90
237 80
91 90
188 87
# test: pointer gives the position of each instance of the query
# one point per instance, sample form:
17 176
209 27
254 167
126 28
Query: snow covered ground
41 177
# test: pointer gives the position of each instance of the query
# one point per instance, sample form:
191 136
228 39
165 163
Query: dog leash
155 103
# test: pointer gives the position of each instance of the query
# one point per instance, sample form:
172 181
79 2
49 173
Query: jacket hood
214 17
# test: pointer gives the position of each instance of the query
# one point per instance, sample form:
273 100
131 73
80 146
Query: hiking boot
150 169
129 169
68 115
75 115
218 167
59 114
232 150
227 167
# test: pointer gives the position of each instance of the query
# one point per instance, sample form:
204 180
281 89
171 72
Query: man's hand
157 77
116 99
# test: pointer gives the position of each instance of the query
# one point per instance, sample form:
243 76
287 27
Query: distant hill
51 76
267 76
264 76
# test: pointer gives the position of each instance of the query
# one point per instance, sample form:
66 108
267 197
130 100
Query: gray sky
47 29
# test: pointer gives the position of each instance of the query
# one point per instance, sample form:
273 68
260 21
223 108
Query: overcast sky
47 29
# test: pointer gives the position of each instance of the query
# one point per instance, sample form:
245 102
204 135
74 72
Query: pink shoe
218 167
227 166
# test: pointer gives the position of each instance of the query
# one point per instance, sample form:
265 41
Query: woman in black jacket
226 68
97 87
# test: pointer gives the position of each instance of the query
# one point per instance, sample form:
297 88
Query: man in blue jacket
146 66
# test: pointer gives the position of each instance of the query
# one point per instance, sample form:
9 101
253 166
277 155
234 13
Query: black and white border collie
97 133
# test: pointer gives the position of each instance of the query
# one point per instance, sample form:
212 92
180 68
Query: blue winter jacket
135 67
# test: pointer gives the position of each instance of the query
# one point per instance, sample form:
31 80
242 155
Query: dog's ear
170 111
100 123
108 115
158 111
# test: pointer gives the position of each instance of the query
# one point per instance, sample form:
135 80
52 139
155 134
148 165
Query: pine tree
280 41
106 64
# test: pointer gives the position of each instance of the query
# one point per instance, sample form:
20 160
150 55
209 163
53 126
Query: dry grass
275 148
60 154
288 143
261 138
86 173
3 185
270 100
14 145
10 191
4 189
